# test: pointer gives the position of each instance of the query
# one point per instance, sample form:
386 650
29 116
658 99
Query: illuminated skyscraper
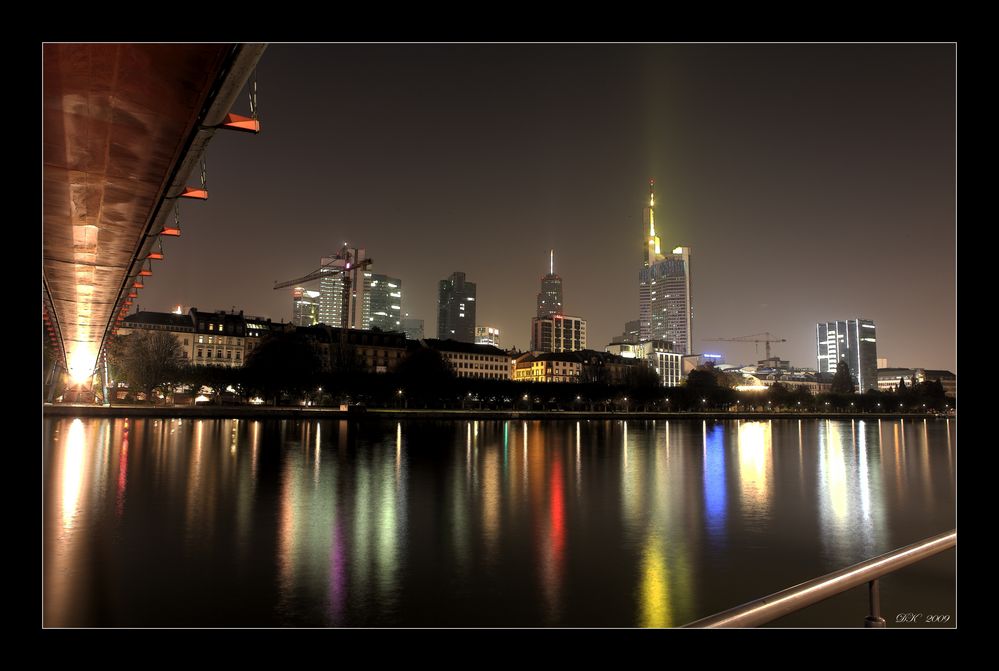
550 298
382 302
456 309
305 307
852 340
487 335
665 306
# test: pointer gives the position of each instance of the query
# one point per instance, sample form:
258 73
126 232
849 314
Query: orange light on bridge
192 192
171 230
241 123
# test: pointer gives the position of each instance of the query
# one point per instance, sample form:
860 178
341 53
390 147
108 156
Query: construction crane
751 338
345 262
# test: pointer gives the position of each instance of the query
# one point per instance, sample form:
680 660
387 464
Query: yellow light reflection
72 472
656 610
755 465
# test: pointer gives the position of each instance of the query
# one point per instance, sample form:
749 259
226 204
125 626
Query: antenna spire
551 262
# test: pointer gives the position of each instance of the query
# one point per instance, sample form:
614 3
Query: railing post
874 620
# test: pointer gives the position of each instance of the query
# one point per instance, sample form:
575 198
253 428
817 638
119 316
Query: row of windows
218 355
482 366
160 327
491 376
222 340
472 357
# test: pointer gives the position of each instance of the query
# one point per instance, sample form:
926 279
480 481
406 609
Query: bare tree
146 359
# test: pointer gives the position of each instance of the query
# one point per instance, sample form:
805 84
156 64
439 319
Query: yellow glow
81 362
751 387
678 250
72 472
754 463
656 611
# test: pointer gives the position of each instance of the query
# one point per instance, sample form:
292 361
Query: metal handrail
795 598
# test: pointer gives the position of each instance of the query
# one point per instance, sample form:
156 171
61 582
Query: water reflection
755 466
589 523
715 497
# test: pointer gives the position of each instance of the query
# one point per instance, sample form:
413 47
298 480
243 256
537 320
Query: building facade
851 340
456 309
356 349
217 338
487 335
559 333
548 367
658 354
664 295
888 378
469 360
180 326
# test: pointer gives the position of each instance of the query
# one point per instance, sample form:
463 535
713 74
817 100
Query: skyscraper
551 330
665 306
550 298
851 340
305 307
456 309
487 335
331 304
382 302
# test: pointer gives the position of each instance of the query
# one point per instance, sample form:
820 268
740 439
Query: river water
421 523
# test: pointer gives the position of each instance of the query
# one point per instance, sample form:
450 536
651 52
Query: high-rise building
331 299
305 307
382 302
413 328
559 333
456 309
550 297
487 335
665 305
551 330
632 333
853 341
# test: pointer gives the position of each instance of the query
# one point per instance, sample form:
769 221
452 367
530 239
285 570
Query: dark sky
812 182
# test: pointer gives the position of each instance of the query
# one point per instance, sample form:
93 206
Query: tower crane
769 338
345 262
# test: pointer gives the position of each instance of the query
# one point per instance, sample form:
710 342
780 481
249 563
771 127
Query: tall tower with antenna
665 306
550 298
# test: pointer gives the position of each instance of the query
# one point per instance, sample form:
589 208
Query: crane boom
752 338
344 263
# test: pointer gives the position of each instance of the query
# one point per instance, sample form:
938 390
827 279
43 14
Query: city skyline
777 164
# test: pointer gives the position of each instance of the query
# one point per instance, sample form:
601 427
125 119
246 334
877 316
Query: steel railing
786 601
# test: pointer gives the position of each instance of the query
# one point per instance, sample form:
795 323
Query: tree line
285 370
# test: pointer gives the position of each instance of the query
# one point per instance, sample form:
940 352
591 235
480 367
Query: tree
282 362
424 375
842 382
146 360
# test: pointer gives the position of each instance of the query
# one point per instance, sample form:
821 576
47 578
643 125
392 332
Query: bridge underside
123 126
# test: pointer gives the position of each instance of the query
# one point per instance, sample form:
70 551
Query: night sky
812 182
